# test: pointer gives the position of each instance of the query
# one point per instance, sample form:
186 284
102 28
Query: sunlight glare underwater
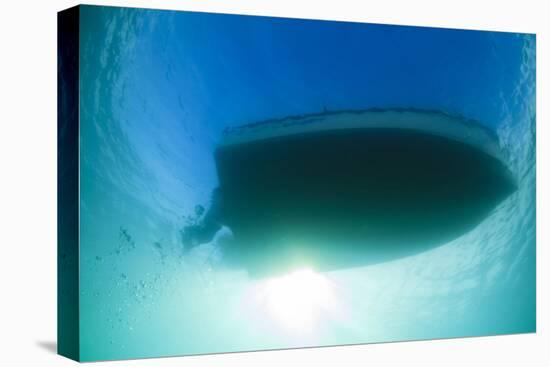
299 299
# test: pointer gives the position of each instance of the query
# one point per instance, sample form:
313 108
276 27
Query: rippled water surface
157 90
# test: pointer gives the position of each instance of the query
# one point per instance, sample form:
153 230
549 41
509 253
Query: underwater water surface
158 88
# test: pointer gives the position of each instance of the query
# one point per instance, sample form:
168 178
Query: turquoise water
157 90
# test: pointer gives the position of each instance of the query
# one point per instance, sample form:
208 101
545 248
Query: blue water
157 90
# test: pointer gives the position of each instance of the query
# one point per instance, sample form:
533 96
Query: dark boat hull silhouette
352 188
